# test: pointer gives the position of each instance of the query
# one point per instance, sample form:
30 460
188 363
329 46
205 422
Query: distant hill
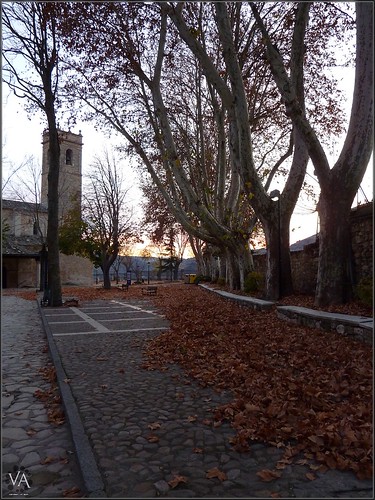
139 267
189 266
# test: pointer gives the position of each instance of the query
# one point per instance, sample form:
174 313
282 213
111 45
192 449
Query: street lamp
148 273
275 194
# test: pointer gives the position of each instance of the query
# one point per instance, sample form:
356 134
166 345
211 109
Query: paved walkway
143 434
45 451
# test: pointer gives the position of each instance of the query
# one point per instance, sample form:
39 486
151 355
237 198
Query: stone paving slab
28 438
147 428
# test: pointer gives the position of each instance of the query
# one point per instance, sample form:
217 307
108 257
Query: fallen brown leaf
310 476
153 439
176 480
216 473
154 425
73 492
48 460
268 475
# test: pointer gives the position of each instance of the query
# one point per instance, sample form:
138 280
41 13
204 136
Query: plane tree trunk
339 184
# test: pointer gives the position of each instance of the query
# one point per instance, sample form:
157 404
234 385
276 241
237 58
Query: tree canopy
214 145
221 103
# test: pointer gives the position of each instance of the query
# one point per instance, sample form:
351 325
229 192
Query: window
69 157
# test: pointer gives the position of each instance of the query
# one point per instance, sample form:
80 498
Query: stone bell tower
70 176
74 269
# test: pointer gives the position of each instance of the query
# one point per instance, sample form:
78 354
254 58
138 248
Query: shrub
364 292
253 282
201 277
221 281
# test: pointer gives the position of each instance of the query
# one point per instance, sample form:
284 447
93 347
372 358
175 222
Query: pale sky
22 137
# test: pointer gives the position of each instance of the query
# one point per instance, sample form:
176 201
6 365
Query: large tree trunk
279 270
334 284
106 277
54 279
239 263
107 261
338 186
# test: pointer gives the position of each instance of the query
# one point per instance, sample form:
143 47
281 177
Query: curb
243 300
91 475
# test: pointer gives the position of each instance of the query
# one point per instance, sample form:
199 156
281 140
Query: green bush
253 282
364 291
201 277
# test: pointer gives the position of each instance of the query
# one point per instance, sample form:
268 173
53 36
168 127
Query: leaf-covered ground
298 388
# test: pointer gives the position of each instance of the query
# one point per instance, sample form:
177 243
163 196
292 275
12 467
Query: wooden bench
149 290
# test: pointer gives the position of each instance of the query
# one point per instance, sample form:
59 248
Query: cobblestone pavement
38 458
151 432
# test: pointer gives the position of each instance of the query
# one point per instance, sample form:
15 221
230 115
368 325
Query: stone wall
362 229
305 269
305 262
20 272
23 272
75 270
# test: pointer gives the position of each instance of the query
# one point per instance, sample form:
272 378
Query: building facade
25 224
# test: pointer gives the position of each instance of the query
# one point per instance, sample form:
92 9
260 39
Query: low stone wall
254 303
357 327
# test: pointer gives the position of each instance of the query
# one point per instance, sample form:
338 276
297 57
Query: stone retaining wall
305 262
357 327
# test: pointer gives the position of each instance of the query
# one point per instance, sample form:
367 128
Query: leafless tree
107 221
30 69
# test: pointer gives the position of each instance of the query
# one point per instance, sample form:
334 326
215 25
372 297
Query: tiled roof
21 245
23 206
298 246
